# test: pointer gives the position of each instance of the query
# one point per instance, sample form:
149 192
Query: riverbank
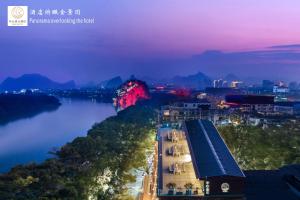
30 139
96 166
17 106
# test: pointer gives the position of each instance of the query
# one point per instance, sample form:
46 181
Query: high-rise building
280 89
236 84
267 84
294 85
218 83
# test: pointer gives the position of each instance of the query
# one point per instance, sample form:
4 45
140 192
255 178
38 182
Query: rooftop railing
180 192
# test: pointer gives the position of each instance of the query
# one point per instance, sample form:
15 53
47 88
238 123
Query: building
283 183
267 84
195 163
201 95
236 84
287 108
263 104
280 89
218 83
222 92
187 110
293 86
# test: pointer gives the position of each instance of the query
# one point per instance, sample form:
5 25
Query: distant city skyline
160 39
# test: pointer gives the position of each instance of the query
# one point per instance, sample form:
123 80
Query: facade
188 110
220 83
195 163
287 108
280 89
267 84
236 84
252 103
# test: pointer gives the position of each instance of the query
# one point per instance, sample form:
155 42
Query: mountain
112 83
197 81
90 84
231 77
30 81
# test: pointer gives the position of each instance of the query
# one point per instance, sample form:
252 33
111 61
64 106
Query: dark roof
268 184
250 99
205 101
287 103
210 155
222 91
293 169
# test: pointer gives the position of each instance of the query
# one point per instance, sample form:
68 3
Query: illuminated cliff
129 93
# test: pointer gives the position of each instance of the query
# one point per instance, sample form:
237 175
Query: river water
30 139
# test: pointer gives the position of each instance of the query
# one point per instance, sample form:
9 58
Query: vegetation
16 106
97 166
188 185
171 185
257 148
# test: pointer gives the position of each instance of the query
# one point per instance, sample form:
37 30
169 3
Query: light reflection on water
31 139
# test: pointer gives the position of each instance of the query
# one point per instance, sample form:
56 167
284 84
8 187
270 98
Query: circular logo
17 12
225 187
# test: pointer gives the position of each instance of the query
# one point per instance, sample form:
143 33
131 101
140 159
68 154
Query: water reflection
30 139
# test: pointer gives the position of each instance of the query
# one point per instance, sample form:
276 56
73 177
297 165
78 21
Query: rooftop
283 183
175 167
250 99
217 159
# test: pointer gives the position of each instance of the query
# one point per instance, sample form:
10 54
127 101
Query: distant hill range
231 77
33 81
196 81
111 83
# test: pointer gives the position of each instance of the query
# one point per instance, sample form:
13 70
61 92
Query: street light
187 158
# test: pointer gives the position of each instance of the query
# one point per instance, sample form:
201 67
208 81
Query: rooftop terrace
176 175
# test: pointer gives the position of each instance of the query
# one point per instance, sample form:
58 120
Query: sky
156 38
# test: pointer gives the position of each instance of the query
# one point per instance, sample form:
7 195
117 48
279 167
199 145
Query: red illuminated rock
129 93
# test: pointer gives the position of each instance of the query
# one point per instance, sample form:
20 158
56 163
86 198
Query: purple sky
158 39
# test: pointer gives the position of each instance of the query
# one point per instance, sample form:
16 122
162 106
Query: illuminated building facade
187 110
280 89
251 103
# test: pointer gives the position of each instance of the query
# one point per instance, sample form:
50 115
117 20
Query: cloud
289 46
89 60
251 57
272 63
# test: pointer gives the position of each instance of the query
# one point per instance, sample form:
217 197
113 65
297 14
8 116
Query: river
30 139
